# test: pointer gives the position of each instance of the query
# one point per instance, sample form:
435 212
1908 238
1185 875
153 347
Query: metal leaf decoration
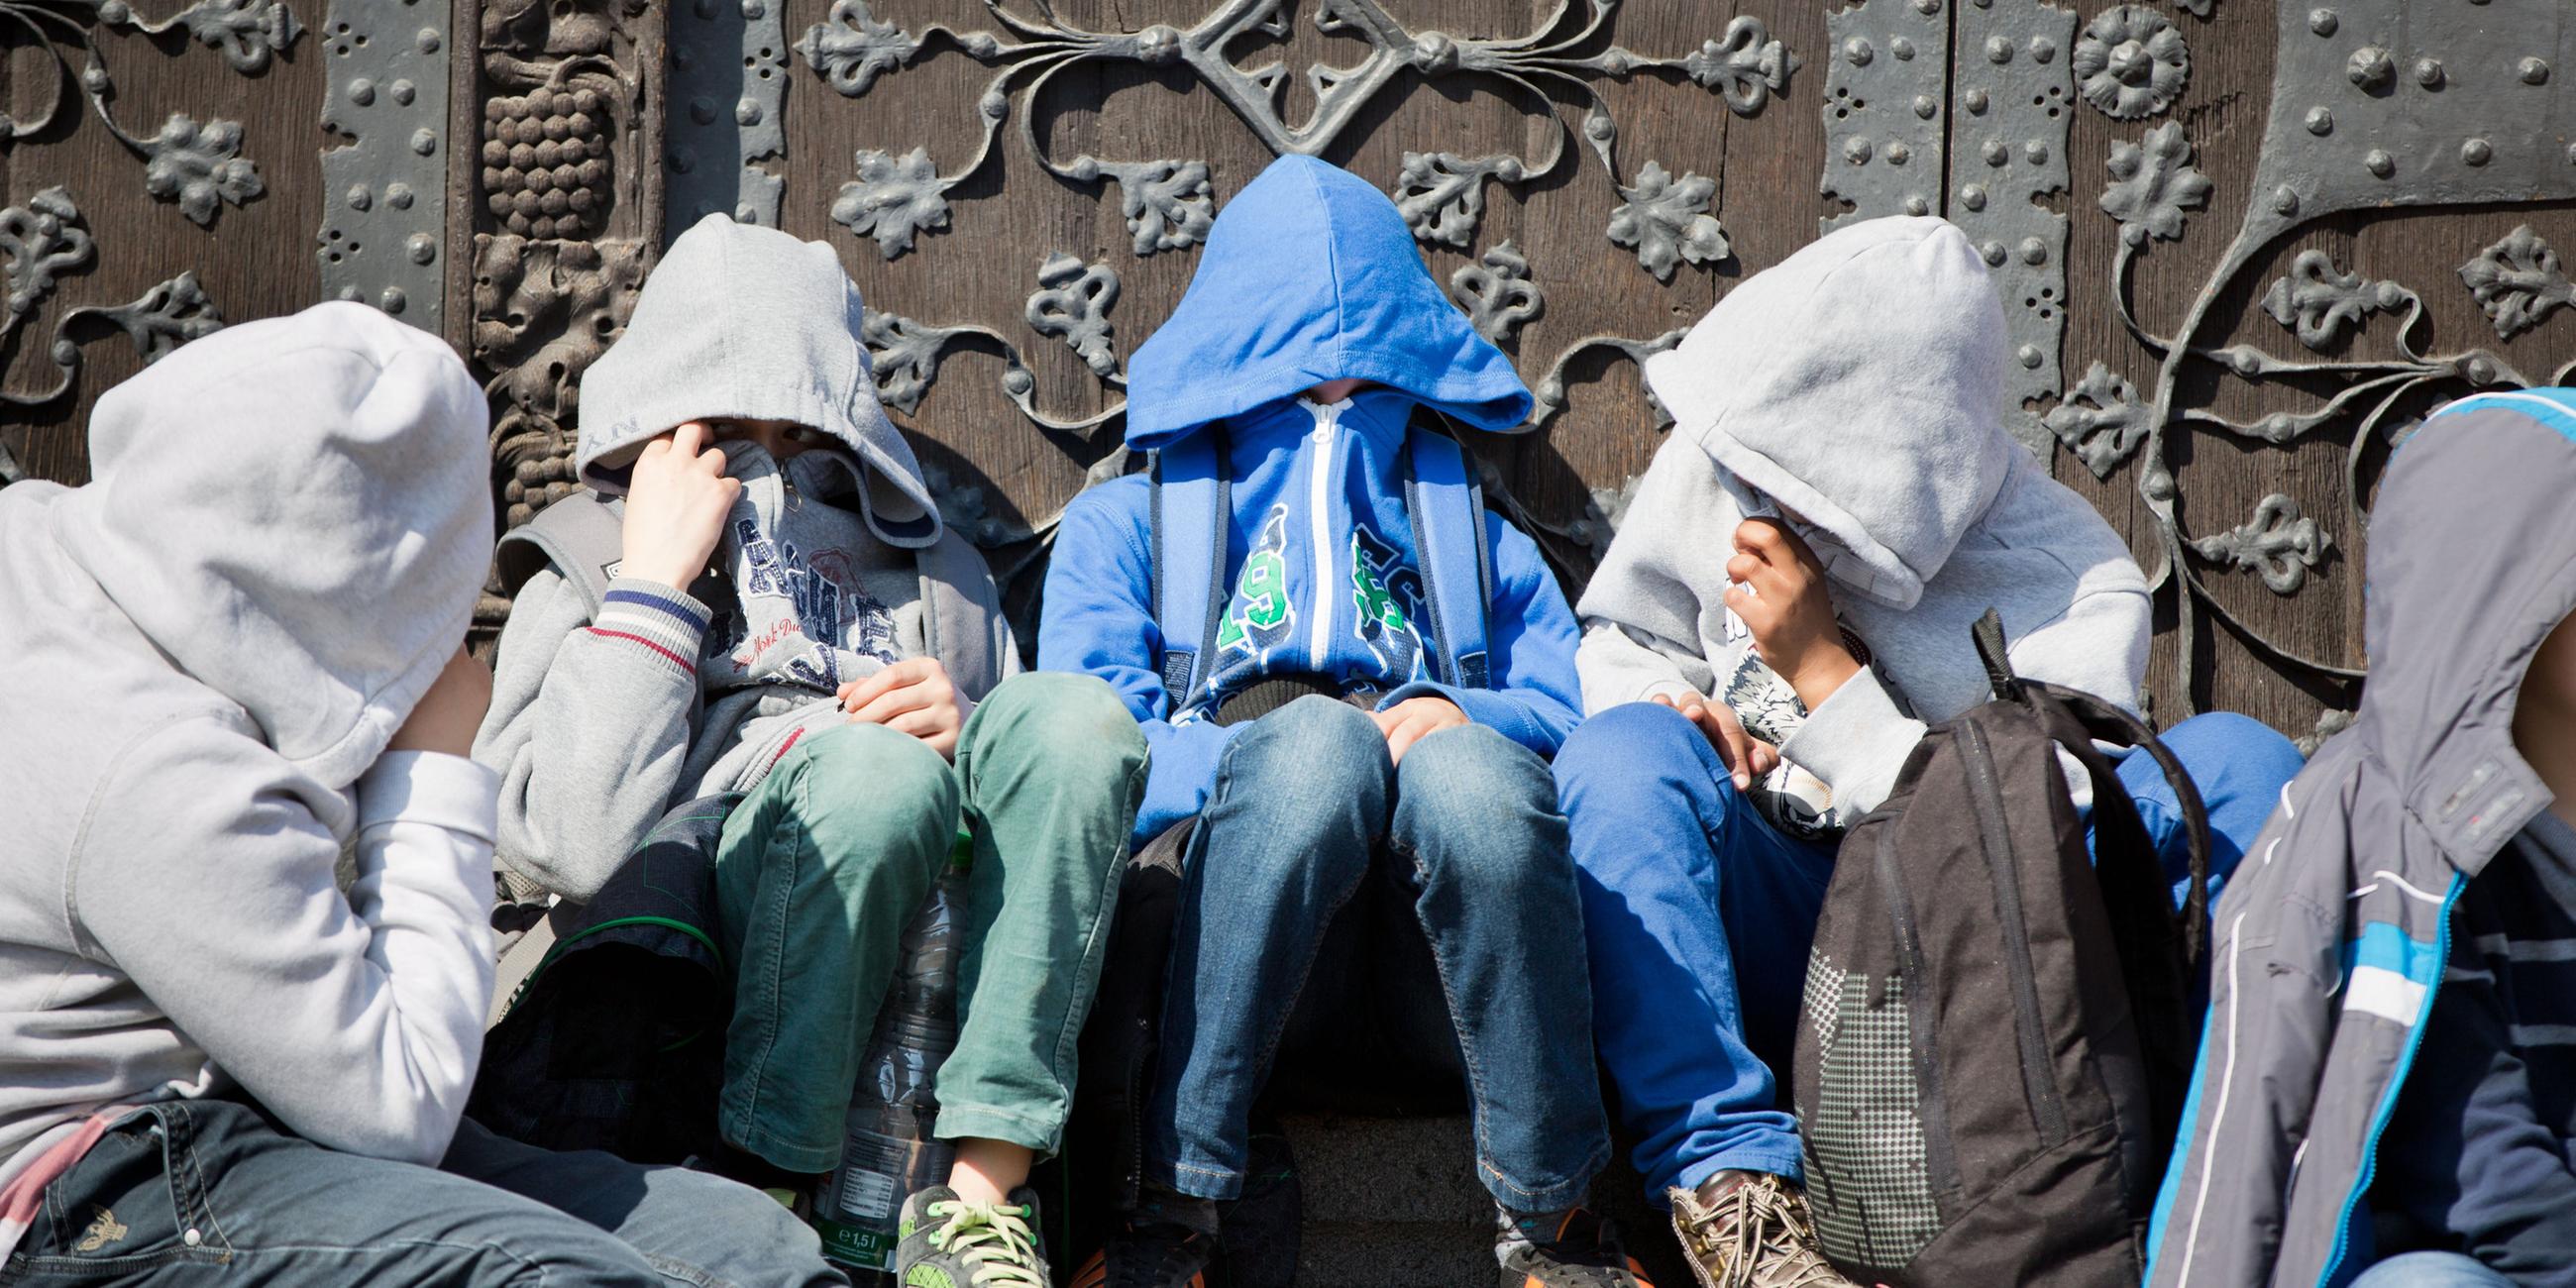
893 198
904 356
247 31
2152 184
1497 293
1168 204
1745 64
2131 62
2318 302
2278 540
167 316
2105 432
41 239
1666 220
2518 282
198 166
1442 194
851 48
1072 303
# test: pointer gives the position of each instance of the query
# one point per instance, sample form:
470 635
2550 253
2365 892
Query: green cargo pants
822 865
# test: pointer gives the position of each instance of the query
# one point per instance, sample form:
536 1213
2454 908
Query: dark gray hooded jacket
2331 940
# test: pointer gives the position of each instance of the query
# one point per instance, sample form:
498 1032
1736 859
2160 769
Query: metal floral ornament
2131 62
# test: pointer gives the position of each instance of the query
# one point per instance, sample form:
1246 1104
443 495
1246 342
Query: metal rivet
1017 381
2380 163
1999 50
1902 48
427 40
421 247
706 8
2390 296
1856 150
192 1238
1899 154
2036 152
1917 206
2323 21
2535 71
359 198
393 300
2034 251
2481 370
1857 52
2284 201
744 214
1997 153
2043 49
2571 154
2477 152
349 293
1927 7
362 91
2428 73
1973 196
2031 357
1926 106
1994 252
424 140
2320 121
746 112
398 195
754 10
702 111
404 92
1976 101
2370 67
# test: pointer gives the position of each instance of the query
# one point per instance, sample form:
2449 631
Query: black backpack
1998 1035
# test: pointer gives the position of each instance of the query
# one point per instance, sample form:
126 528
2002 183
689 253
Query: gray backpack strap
518 962
582 537
961 619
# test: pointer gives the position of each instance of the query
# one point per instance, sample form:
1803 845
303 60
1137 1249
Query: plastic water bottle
888 1152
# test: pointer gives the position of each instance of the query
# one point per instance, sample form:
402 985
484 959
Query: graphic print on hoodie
1859 386
1309 276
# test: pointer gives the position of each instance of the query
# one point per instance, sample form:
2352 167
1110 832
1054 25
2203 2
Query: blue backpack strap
1192 496
1448 508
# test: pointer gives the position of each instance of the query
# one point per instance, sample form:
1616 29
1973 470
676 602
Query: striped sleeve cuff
656 617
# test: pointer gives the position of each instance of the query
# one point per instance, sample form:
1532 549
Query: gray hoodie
601 720
203 654
1858 384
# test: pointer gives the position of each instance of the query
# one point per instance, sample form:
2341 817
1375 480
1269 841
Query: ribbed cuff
654 616
1856 742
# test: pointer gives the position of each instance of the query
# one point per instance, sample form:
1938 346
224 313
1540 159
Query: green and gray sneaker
947 1242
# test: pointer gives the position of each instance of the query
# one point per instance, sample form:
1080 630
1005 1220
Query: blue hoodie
1309 276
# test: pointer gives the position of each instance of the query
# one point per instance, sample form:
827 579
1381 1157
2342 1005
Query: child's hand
1779 590
912 696
676 505
446 718
1413 720
1745 756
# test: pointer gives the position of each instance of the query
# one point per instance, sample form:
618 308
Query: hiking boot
1750 1230
1584 1252
1150 1254
947 1242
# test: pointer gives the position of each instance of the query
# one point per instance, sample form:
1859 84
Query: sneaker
1750 1230
947 1242
1150 1254
1585 1252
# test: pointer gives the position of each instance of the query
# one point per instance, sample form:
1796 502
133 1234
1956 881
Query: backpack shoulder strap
961 612
581 536
1192 497
1447 503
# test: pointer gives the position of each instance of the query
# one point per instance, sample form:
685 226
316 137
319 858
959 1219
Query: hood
1860 383
298 512
1310 275
748 322
2472 564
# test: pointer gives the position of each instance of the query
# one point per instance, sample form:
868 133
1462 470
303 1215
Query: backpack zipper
2039 1076
1319 492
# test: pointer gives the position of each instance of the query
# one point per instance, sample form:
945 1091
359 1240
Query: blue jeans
2431 1270
189 1191
1698 914
1464 839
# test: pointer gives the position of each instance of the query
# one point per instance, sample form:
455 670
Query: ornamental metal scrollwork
1497 293
46 238
2279 541
2131 62
2518 282
196 165
1072 303
1666 220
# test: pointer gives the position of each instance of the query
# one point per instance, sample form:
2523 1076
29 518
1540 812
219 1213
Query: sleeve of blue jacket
1099 620
1535 698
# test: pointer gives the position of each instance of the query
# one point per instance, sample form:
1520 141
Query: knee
2231 756
1327 743
745 1237
1058 717
1610 748
872 787
1481 809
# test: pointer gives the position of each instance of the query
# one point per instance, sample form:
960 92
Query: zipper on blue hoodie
1321 475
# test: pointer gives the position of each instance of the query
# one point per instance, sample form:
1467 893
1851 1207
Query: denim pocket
134 1202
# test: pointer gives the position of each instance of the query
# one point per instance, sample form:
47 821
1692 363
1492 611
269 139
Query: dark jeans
1465 837
198 1191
